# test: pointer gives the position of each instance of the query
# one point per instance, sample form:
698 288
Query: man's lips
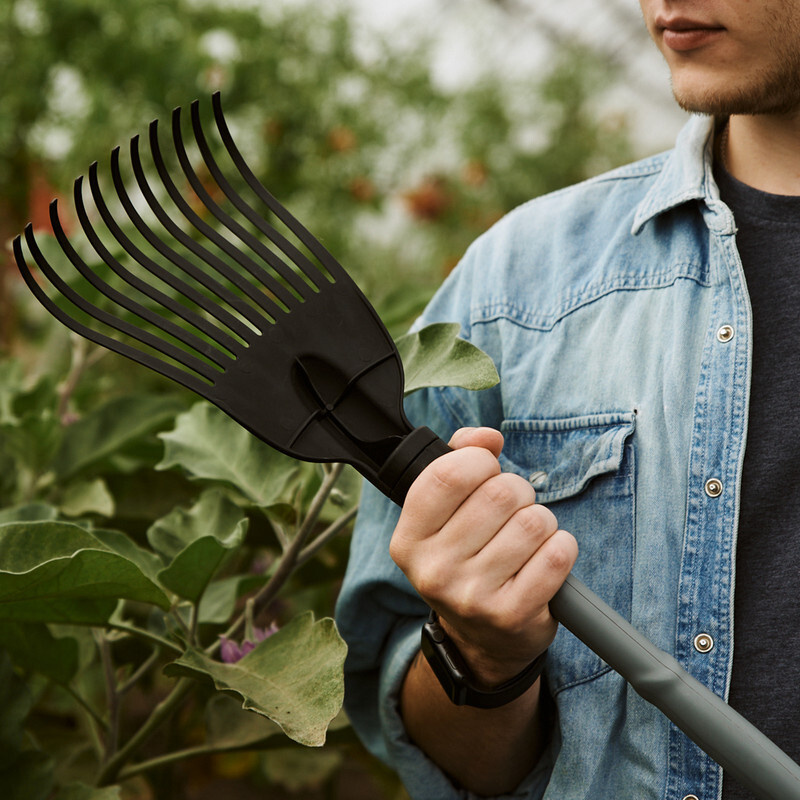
681 34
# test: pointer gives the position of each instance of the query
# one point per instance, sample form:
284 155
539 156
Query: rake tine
258 297
333 267
166 325
283 269
286 298
147 360
216 310
219 336
308 268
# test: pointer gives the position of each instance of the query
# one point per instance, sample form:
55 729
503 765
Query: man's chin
744 101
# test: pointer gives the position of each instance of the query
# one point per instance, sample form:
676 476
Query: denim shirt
618 318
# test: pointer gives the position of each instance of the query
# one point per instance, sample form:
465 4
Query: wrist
457 678
489 666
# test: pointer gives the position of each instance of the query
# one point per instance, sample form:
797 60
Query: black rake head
230 297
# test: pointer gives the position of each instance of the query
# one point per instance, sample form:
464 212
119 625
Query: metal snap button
691 797
537 478
713 487
725 333
703 643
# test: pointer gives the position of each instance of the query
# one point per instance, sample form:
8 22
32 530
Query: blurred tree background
395 173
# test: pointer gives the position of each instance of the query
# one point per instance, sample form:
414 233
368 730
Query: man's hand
480 552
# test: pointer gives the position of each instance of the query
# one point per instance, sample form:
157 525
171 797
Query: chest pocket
583 470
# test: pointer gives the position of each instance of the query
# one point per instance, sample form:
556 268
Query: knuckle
431 577
506 491
536 521
398 550
446 473
561 550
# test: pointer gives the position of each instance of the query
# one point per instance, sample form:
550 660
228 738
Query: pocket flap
561 456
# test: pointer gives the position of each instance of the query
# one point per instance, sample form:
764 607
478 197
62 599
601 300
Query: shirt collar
688 175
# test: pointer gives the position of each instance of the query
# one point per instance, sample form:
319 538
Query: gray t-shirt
765 684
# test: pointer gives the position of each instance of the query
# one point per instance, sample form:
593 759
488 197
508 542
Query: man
644 328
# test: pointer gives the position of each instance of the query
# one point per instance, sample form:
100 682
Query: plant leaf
436 356
210 445
229 726
213 515
219 600
59 572
34 648
32 512
295 677
110 428
87 497
198 541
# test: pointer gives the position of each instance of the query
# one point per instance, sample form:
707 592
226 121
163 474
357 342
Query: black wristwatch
453 674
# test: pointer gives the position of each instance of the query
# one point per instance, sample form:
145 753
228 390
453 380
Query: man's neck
764 152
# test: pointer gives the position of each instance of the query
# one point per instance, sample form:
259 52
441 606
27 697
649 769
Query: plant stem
177 755
141 633
329 533
137 675
98 721
112 696
162 712
81 361
289 559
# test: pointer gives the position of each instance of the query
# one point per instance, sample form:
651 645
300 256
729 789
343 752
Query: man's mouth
682 34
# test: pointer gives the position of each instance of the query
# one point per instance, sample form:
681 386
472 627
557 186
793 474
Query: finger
544 573
485 512
505 554
441 489
488 438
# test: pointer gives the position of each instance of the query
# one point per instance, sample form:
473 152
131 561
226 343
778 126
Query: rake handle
727 737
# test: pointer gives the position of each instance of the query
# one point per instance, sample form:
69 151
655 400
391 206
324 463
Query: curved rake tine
258 297
219 336
308 268
166 325
168 370
326 259
286 298
274 261
212 308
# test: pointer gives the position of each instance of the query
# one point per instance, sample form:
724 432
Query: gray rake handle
736 745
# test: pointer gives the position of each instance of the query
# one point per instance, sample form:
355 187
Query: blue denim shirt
622 398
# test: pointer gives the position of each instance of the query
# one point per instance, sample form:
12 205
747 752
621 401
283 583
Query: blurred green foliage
104 493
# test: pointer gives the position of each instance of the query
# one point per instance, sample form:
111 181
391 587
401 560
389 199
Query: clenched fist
479 551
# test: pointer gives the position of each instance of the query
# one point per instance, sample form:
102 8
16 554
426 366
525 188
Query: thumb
488 438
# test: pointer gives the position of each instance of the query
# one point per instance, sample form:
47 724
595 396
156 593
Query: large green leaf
210 445
110 428
436 356
295 677
59 572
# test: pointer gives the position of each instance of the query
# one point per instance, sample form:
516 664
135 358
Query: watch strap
456 679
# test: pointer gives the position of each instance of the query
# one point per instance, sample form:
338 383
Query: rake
274 332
